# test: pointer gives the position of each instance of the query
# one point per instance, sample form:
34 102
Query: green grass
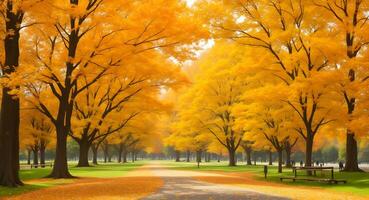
357 182
110 170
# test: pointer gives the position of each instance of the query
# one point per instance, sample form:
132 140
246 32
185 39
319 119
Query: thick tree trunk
232 157
280 160
60 168
94 154
351 164
178 155
188 153
270 157
308 151
9 117
35 157
84 147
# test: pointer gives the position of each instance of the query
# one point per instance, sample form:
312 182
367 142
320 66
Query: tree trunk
84 147
178 155
105 157
351 164
288 157
270 157
280 160
9 117
28 156
120 150
106 152
125 155
248 156
94 153
232 157
308 151
198 156
188 153
35 157
60 168
133 156
42 154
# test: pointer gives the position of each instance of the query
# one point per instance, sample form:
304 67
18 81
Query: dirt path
157 182
135 185
183 185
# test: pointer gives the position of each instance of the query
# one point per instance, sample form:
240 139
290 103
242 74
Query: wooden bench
313 169
41 165
330 181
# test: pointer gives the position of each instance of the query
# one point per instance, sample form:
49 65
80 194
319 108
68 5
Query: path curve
183 185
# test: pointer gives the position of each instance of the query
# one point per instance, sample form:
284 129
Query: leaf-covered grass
357 182
30 176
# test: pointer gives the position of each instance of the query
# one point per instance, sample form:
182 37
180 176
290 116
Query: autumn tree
350 21
93 38
287 34
36 133
15 17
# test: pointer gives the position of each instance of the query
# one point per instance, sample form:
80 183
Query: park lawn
357 182
34 179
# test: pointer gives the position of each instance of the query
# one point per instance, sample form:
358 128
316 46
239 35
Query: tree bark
248 156
84 147
133 156
288 157
42 153
35 157
28 156
232 157
60 168
351 164
9 117
94 153
280 160
308 151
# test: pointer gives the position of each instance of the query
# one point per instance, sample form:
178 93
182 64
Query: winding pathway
182 185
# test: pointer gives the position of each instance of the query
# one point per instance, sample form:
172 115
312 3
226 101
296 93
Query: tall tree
94 37
287 33
351 19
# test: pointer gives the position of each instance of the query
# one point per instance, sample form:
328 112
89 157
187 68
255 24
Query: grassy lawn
30 176
357 183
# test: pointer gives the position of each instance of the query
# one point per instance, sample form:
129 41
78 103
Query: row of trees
89 68
286 74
